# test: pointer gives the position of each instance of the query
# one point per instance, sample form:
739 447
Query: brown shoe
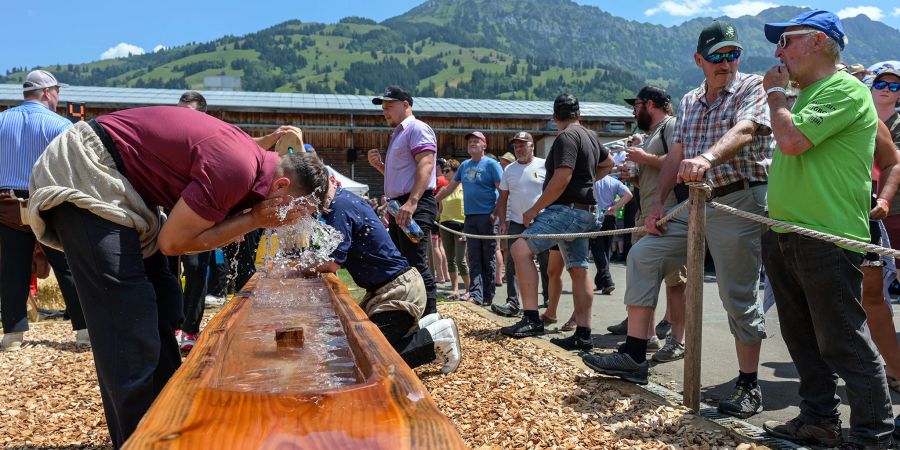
570 325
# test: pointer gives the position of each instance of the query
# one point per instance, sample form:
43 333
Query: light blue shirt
479 181
25 132
606 190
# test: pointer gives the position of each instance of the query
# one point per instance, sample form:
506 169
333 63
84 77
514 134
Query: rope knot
703 185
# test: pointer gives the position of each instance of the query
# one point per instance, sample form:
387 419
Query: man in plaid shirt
723 137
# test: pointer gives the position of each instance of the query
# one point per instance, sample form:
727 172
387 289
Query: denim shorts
559 219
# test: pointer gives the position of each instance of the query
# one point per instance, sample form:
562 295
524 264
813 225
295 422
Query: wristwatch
709 157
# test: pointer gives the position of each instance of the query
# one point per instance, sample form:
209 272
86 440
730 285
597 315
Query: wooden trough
333 382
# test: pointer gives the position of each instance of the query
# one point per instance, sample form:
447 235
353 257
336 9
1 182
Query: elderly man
722 137
480 178
409 178
567 205
94 193
25 132
821 179
523 182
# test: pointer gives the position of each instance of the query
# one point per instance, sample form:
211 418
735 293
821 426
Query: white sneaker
12 341
655 343
212 300
82 337
429 319
446 344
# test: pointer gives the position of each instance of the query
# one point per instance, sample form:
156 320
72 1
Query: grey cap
40 79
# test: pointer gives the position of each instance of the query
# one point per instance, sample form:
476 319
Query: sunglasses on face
717 58
783 42
893 86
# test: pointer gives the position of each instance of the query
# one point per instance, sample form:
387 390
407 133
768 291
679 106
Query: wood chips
507 394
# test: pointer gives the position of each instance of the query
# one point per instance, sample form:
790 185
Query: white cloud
679 8
746 8
874 12
159 48
122 50
896 12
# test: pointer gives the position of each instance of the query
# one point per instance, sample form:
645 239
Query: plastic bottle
413 232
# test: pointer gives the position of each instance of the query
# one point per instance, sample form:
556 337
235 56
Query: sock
636 349
583 332
747 379
532 315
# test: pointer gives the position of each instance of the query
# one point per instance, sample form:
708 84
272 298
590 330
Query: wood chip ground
507 394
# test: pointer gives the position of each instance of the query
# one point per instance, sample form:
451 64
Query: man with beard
722 137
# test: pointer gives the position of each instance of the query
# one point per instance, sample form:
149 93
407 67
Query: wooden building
343 128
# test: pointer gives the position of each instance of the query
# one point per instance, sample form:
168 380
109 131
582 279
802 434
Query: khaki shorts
404 293
674 279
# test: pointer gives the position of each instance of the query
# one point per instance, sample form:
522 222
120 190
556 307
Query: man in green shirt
821 179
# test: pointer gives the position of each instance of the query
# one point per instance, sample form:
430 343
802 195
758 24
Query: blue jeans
818 290
560 219
482 258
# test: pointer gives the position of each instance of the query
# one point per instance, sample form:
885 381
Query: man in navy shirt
395 292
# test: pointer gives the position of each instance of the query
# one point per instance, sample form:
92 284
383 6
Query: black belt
109 145
730 188
581 206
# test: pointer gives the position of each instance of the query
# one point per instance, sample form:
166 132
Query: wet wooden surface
386 408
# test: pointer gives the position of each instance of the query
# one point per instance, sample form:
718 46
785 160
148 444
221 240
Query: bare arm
447 190
790 140
375 161
723 150
605 167
619 204
500 209
268 141
886 158
639 156
667 181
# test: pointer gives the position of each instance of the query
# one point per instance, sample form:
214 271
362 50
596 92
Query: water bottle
413 232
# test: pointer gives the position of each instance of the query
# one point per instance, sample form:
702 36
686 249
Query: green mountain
522 49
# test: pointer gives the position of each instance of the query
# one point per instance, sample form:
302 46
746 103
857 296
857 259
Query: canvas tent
348 184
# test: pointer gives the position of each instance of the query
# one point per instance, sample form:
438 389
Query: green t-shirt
828 188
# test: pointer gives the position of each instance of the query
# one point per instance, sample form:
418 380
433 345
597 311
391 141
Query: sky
63 32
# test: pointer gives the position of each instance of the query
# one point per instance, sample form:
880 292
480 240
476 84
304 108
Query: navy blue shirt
367 251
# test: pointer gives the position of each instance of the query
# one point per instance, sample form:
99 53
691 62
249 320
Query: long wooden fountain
294 364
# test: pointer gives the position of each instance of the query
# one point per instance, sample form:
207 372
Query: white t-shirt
525 183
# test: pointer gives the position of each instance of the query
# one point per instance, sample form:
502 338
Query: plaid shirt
699 126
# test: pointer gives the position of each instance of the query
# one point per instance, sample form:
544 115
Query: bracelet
709 157
776 89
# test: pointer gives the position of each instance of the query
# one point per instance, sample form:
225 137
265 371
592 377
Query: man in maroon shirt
95 192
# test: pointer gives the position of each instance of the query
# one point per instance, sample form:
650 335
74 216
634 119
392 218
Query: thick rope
883 251
568 236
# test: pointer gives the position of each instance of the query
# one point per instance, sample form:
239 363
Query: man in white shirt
520 188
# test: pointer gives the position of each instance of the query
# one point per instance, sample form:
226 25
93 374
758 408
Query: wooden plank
387 407
693 330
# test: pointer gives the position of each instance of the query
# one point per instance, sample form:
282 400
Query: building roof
329 103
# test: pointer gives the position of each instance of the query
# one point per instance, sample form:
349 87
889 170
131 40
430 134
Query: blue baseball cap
824 21
309 148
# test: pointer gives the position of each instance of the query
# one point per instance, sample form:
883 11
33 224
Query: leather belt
581 206
731 188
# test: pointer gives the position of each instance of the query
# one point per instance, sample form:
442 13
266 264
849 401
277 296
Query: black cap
715 36
565 107
658 96
393 93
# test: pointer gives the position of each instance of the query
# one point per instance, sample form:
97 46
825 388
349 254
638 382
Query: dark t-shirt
367 251
171 152
576 147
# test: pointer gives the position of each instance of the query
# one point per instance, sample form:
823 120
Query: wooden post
696 252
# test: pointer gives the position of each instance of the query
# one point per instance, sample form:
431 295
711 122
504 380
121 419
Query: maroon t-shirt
171 152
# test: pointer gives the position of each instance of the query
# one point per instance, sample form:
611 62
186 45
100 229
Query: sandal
569 325
547 319
453 297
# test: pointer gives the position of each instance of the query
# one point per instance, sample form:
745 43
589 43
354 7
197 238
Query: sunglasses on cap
783 42
893 86
717 58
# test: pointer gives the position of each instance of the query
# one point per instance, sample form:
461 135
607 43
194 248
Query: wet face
524 150
718 74
475 146
394 112
884 96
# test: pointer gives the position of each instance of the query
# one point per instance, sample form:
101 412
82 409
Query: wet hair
453 164
194 97
308 173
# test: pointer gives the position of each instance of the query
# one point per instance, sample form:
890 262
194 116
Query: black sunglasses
717 58
893 86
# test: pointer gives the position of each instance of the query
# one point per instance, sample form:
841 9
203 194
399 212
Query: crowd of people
124 205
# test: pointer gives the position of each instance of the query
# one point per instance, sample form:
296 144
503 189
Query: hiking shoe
510 309
607 290
663 329
446 344
744 402
619 365
12 341
619 328
429 319
188 340
574 343
654 343
672 351
827 434
523 328
82 337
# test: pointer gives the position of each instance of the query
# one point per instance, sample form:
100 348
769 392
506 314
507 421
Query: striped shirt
699 126
25 132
